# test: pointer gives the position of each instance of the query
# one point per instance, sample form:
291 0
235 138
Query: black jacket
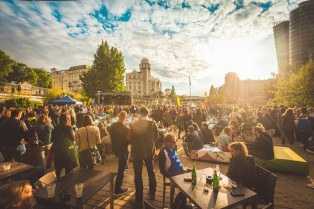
241 170
12 131
118 134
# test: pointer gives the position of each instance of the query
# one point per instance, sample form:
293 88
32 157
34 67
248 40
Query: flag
178 101
190 80
89 101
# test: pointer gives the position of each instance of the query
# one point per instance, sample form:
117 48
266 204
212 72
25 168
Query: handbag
94 154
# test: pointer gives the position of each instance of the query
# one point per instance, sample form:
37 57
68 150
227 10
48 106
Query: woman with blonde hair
241 167
16 195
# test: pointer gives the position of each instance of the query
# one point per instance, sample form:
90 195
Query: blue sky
203 39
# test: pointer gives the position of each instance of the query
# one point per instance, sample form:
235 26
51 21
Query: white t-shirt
224 140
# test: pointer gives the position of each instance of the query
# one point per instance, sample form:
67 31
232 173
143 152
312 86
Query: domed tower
145 70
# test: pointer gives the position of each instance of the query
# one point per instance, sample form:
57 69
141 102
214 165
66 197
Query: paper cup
79 189
51 188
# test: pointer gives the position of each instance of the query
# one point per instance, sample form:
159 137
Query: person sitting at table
225 139
16 195
241 166
169 163
191 141
207 133
263 145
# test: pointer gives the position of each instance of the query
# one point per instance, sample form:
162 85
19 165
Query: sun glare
240 58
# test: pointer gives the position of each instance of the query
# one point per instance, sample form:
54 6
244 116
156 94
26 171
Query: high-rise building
301 33
300 36
143 83
231 88
68 80
281 34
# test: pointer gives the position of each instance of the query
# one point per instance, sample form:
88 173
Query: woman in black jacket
288 126
241 167
63 145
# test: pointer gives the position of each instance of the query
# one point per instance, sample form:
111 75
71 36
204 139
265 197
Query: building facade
248 91
231 87
142 83
68 80
281 35
300 36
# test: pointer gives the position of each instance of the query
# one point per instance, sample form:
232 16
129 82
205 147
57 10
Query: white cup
6 166
51 188
79 189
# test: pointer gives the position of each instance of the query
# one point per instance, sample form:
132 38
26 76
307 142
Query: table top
16 168
210 199
93 181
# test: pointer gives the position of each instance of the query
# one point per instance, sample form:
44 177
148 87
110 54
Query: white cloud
178 42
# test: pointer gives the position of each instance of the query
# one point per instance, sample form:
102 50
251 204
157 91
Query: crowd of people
62 135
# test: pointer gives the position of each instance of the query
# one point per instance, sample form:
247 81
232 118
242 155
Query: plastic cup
79 189
51 188
6 166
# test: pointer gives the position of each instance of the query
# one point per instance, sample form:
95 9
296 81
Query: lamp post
98 93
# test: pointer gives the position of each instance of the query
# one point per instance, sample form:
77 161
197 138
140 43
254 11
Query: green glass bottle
194 178
215 181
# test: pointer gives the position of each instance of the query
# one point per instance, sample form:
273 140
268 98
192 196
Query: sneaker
136 204
122 191
310 151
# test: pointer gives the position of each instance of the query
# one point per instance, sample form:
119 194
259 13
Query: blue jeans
123 162
138 165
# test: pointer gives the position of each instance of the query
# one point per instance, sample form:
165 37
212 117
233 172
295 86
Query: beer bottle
194 179
215 181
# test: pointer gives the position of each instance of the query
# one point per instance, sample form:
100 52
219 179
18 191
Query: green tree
21 72
5 66
172 94
107 72
297 89
44 78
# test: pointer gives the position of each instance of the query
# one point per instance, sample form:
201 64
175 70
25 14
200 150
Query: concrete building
231 87
68 80
281 35
142 83
300 36
248 91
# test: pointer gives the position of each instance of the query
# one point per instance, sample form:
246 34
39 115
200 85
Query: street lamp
98 93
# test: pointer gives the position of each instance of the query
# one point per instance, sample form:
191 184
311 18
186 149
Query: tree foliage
11 70
298 88
107 72
217 99
172 94
57 93
5 65
21 103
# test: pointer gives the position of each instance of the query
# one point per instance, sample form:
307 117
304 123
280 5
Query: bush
21 103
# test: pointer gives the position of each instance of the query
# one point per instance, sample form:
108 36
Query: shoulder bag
94 154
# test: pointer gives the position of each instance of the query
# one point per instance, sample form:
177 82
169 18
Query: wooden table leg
111 193
171 193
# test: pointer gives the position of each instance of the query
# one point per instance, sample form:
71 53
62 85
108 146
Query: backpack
180 201
33 139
